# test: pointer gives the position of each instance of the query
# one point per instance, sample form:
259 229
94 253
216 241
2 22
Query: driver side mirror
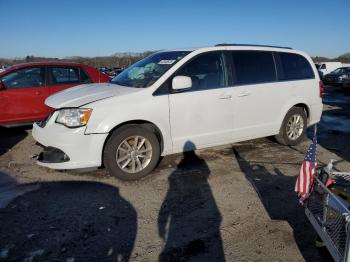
2 86
181 83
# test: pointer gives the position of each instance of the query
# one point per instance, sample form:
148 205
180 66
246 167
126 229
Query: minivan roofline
254 45
237 47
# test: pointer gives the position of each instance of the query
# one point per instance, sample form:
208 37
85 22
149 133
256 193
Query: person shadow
189 218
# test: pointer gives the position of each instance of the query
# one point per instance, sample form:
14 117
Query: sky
98 28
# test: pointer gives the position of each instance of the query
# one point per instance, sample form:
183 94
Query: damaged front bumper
52 155
68 148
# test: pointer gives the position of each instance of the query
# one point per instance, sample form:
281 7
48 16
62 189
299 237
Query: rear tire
131 152
293 127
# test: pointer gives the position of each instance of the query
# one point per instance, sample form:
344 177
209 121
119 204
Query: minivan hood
85 94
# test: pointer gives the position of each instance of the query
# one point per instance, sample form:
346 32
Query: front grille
43 123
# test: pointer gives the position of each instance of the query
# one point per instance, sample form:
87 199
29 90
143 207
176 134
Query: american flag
305 179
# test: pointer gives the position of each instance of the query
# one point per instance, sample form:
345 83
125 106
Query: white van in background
328 67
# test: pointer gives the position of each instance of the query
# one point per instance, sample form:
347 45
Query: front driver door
23 98
202 115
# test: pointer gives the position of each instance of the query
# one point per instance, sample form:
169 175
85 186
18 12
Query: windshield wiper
119 83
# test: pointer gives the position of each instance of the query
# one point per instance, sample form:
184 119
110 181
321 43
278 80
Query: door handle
243 94
38 92
225 97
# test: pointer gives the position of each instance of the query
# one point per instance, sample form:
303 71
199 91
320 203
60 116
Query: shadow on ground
86 221
10 189
189 218
276 192
9 137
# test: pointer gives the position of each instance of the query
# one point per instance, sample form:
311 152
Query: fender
288 106
116 111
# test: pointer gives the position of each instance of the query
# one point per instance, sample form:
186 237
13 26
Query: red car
24 88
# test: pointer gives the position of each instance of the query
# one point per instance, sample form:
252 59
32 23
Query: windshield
341 70
4 68
148 70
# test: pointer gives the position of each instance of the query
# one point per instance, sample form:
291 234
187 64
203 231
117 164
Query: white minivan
180 100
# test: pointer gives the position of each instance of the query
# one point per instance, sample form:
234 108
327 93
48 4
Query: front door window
206 71
27 77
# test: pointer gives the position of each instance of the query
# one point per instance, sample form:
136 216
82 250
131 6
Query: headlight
74 117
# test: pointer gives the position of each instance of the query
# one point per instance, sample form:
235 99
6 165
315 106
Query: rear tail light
320 84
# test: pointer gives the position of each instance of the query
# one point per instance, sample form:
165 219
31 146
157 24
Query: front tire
293 127
131 152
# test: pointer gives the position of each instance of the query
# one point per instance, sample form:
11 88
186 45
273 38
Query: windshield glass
339 71
4 68
148 70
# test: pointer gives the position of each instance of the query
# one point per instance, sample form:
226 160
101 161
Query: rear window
64 75
253 67
294 67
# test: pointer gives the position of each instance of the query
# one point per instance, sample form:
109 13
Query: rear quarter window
294 67
64 75
84 77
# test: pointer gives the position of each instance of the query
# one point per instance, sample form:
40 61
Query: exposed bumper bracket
52 155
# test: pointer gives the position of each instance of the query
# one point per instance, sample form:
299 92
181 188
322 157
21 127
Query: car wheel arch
305 107
282 136
146 124
288 107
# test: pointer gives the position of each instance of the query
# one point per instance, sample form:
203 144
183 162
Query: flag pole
315 130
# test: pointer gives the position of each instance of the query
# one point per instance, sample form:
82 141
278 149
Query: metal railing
329 214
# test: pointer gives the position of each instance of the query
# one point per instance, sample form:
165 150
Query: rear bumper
66 148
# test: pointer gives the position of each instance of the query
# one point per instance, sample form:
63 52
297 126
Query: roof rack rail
253 45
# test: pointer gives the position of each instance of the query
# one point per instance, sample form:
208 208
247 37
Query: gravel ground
233 203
